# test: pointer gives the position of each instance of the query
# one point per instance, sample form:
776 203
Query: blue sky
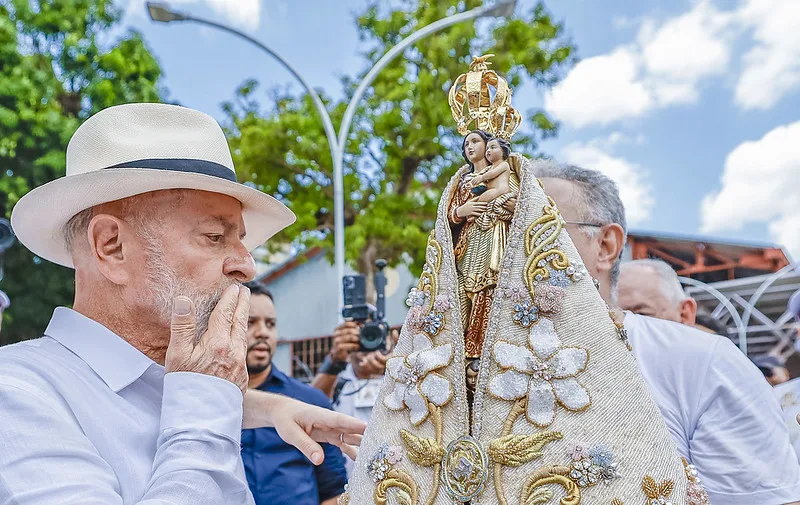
693 107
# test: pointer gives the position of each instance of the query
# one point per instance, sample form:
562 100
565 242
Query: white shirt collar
116 361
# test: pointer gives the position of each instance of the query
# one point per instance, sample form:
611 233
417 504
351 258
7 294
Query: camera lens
373 337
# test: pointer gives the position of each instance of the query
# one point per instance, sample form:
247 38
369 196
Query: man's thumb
182 327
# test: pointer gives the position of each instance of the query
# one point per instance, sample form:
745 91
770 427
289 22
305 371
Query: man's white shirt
88 419
720 411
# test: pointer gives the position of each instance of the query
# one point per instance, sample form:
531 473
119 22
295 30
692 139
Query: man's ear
688 311
611 245
107 234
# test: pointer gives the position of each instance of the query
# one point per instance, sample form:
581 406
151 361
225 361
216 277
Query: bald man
650 287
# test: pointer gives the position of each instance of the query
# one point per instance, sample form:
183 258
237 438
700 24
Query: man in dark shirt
279 474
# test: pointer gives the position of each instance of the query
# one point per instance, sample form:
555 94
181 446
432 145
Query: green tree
54 72
403 147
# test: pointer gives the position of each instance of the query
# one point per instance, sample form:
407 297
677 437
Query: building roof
708 259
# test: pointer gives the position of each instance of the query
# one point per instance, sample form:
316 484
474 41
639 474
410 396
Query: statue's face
474 147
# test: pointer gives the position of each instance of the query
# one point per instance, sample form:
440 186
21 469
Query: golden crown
471 101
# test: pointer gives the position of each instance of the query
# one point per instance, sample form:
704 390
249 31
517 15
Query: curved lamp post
162 13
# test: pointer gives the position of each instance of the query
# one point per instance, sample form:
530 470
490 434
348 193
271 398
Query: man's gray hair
600 202
670 283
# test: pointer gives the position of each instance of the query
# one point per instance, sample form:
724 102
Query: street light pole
162 13
503 8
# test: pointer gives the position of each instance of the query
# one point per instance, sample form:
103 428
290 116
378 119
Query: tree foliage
55 70
403 146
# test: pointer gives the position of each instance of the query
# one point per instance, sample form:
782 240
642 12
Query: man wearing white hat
138 395
720 412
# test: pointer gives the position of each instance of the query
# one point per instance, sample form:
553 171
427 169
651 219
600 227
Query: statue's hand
472 208
510 204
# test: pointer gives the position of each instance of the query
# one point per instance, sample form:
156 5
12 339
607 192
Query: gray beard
165 285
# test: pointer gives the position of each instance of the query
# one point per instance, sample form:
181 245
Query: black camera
375 328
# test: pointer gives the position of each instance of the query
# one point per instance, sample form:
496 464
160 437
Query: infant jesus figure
496 176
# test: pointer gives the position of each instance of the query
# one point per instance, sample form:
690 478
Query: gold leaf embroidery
344 499
429 280
405 485
539 497
650 487
539 235
666 487
551 475
616 501
516 450
422 451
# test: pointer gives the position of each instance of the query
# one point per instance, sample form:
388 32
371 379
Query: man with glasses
721 413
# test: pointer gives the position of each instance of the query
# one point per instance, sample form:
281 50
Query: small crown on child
471 101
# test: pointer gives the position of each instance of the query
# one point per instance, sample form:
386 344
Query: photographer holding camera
352 373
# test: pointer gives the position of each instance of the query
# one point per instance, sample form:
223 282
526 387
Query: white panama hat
132 149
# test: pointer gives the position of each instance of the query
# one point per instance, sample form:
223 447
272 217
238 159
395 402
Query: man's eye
214 238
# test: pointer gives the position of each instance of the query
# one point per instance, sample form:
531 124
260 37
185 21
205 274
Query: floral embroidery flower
416 298
415 385
585 473
394 454
415 318
579 451
432 323
385 457
559 279
517 291
441 303
546 375
593 465
549 298
525 313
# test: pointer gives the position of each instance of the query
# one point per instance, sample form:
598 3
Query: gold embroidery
464 470
429 280
405 485
422 451
539 238
655 491
499 453
616 501
551 475
344 499
516 450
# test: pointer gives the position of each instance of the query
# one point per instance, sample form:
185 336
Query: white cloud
771 68
244 14
759 185
600 90
662 68
634 190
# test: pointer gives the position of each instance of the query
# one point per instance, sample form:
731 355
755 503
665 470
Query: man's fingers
182 329
222 316
294 435
241 315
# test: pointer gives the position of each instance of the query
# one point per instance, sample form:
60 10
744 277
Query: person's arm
740 443
326 383
47 459
492 173
302 425
345 341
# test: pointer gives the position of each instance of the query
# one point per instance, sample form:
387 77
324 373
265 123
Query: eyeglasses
580 223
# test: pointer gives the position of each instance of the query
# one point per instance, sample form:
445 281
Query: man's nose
240 265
